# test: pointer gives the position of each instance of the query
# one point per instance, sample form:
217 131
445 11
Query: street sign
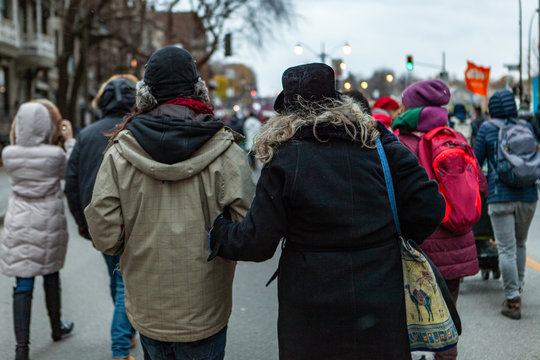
512 67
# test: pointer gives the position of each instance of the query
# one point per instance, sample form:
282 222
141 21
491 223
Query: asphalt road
252 328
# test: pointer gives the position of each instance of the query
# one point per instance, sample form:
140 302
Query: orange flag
477 79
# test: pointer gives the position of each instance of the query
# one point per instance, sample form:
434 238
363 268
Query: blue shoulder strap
389 184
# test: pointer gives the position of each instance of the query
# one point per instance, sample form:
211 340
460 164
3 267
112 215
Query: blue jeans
27 284
211 348
121 329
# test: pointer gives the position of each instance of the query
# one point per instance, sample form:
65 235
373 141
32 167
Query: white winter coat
251 127
34 240
464 127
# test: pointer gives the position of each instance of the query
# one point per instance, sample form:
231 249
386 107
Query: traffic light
336 65
228 49
410 64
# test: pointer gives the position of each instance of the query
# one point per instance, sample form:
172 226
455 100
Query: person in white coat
251 127
34 240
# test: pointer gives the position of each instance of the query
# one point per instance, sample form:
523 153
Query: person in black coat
115 99
322 190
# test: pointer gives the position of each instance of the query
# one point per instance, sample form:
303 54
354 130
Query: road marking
533 264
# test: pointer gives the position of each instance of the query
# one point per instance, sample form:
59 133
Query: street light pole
323 54
299 48
529 85
520 58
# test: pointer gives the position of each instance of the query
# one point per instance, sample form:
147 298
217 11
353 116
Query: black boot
22 307
52 299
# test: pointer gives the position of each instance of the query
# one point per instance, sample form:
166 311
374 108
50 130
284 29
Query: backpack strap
523 122
498 123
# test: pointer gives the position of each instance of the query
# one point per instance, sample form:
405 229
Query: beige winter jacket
172 292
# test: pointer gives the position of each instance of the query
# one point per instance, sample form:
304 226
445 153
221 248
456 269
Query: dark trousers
211 348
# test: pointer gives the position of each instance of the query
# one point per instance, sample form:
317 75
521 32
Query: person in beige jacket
170 170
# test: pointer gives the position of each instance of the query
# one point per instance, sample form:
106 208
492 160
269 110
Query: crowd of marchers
163 189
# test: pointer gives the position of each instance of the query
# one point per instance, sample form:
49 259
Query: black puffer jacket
117 99
340 283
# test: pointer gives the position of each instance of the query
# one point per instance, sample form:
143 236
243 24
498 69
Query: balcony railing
38 48
8 34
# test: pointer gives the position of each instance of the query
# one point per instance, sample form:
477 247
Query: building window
24 15
4 99
45 15
5 11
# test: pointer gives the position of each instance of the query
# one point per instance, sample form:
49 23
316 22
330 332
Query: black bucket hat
315 82
171 72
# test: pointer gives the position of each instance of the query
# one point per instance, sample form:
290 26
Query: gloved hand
83 232
223 218
226 213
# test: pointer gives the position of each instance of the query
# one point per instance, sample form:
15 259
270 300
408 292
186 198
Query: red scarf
194 105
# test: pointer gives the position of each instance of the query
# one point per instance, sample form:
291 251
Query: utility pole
529 78
520 58
444 73
323 54
538 55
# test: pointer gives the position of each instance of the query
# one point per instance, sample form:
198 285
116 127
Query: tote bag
433 323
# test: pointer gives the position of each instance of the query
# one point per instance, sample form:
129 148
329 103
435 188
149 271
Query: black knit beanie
171 72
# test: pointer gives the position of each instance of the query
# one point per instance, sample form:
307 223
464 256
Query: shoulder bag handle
389 183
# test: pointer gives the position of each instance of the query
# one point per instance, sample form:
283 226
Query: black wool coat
340 282
85 159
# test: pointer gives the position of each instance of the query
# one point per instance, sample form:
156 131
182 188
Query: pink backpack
448 158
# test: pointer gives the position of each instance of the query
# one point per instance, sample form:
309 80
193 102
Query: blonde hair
346 112
130 77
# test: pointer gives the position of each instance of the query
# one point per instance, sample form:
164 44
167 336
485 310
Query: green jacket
158 216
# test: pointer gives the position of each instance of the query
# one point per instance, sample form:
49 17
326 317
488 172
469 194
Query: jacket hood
118 97
502 105
421 119
130 149
172 133
460 112
33 125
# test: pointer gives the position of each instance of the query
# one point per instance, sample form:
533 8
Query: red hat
386 103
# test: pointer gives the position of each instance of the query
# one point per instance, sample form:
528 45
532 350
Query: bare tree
251 19
85 25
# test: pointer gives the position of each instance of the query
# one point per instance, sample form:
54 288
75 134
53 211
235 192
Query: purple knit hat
426 93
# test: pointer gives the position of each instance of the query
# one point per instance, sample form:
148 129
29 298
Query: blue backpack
517 160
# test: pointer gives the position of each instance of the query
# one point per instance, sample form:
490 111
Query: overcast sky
383 32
